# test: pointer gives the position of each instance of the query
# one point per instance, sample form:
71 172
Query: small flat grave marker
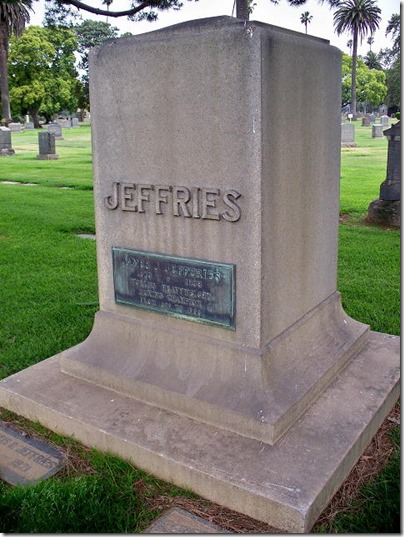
177 520
23 460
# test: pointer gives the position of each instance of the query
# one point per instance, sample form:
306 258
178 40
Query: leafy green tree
305 19
13 17
358 18
91 34
43 79
392 60
371 83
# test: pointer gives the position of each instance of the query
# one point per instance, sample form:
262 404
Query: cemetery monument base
221 358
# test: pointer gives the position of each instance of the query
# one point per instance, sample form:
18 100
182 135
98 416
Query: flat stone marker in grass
25 460
221 358
177 520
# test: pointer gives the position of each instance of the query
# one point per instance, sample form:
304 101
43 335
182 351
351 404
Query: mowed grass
72 169
49 296
363 168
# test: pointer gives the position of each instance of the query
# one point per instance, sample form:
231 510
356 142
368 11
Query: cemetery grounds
48 301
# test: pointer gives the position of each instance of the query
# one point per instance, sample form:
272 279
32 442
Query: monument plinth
220 333
386 210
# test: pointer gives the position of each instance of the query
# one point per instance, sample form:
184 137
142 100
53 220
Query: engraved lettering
20 465
235 212
181 196
161 196
111 202
209 203
128 197
143 195
195 289
205 203
195 203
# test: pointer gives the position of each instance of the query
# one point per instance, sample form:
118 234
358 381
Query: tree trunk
242 9
353 82
5 97
35 117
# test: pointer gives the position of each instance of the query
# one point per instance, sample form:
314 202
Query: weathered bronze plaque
193 289
25 460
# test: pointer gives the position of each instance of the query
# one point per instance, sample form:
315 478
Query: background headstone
384 121
29 126
372 118
56 129
348 135
383 110
15 127
75 122
47 144
365 121
377 131
5 142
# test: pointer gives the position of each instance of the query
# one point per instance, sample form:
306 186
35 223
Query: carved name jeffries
205 203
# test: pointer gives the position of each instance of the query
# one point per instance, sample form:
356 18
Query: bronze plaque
25 460
192 289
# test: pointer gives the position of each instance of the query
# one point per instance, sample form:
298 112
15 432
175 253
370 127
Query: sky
281 15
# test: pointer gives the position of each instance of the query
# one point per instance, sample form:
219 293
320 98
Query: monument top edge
212 24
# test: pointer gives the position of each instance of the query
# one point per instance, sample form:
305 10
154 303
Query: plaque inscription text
193 289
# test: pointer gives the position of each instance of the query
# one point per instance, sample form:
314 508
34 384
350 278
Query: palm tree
370 41
305 19
107 3
372 60
13 17
245 7
357 17
394 27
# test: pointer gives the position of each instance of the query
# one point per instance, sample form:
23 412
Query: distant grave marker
46 141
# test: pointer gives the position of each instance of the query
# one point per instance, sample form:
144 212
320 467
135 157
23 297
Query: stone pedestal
387 209
221 358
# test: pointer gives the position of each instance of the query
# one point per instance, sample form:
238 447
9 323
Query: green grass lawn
73 169
49 297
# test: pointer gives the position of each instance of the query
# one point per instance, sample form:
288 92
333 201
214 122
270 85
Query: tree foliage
371 83
373 61
137 9
90 34
43 79
392 61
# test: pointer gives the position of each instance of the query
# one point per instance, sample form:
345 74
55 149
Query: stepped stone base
385 212
286 485
47 157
